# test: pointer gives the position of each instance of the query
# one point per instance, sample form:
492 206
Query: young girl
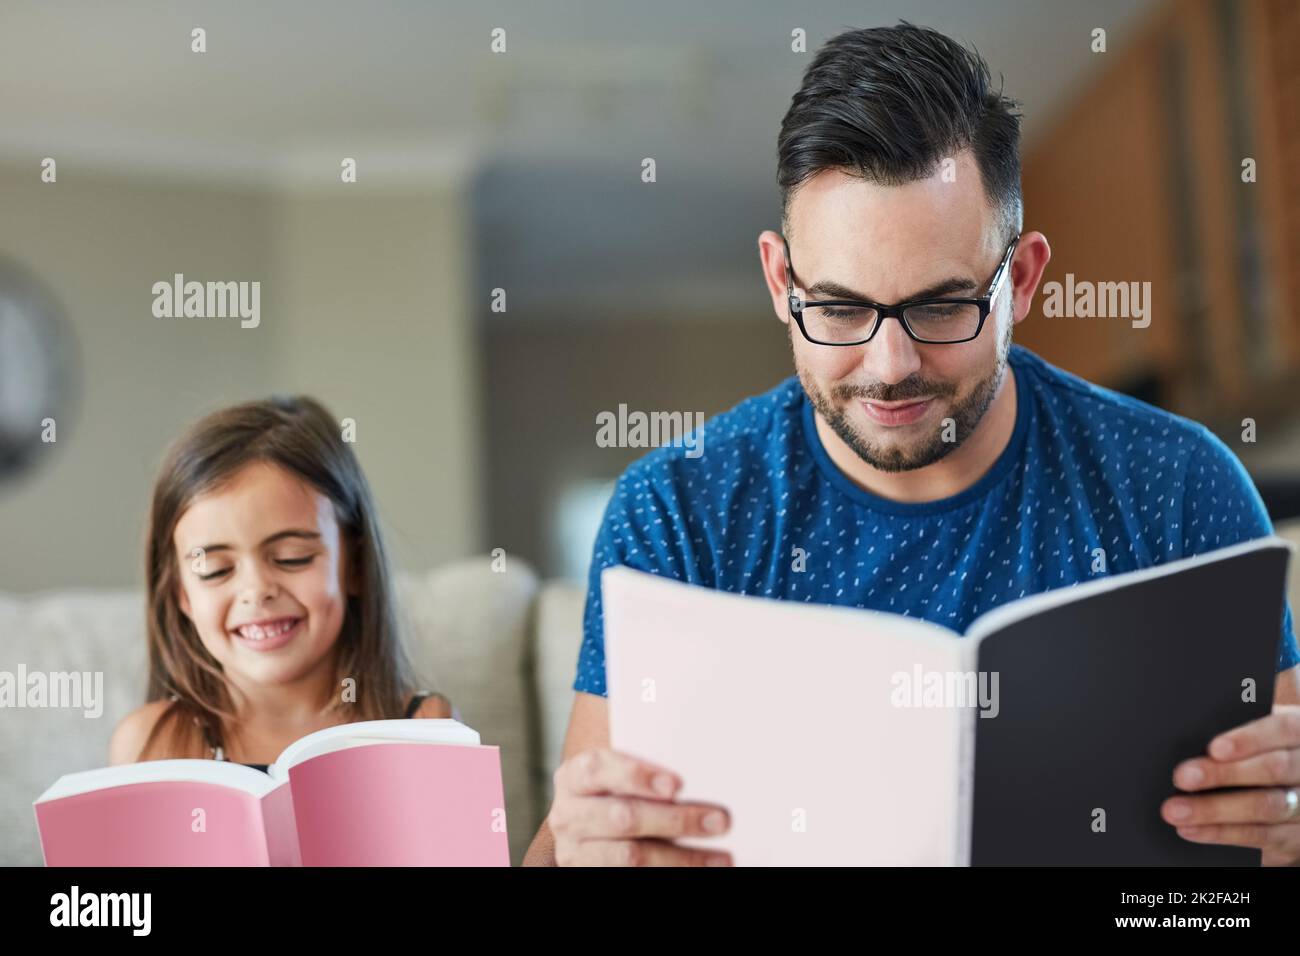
270 611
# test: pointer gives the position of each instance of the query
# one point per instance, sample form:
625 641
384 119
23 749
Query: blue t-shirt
765 511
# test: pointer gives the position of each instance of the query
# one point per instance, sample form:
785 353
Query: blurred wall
377 322
77 516
362 305
549 380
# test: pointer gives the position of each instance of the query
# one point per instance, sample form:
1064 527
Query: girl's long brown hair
301 436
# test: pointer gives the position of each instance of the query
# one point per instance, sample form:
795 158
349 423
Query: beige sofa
501 645
503 648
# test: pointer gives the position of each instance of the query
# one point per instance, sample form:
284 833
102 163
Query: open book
1048 734
370 793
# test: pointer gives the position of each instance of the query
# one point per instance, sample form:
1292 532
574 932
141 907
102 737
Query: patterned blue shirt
765 511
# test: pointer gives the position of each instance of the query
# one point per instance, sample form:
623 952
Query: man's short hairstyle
888 104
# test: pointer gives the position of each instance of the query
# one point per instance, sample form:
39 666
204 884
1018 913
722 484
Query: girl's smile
267 634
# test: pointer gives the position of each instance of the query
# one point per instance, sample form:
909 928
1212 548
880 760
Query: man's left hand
1263 755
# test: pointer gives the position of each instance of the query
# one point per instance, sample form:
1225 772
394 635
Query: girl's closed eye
301 562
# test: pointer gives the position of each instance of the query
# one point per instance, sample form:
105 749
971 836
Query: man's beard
928 449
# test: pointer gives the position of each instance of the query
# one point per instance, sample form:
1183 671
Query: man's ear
771 256
1030 259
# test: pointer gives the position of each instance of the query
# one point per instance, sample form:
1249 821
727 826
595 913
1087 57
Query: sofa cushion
96 632
558 634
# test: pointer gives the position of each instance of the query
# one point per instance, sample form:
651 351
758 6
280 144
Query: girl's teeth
254 633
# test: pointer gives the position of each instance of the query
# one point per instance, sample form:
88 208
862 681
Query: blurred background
499 274
521 171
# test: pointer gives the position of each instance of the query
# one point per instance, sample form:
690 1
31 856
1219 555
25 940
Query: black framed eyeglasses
939 321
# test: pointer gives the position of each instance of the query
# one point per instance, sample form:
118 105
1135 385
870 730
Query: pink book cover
389 805
370 803
160 823
781 712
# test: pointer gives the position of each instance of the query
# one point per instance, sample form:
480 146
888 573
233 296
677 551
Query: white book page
968 719
217 772
362 733
788 714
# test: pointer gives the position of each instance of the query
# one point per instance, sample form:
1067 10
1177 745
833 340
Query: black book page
1100 699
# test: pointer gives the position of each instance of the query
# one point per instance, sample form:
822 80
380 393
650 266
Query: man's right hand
611 809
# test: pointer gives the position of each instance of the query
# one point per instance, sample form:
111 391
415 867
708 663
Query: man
922 463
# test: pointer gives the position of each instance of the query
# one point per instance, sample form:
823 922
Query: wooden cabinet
1140 178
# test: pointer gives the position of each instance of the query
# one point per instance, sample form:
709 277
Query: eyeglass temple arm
1004 269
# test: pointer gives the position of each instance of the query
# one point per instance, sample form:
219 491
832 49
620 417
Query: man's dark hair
888 104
